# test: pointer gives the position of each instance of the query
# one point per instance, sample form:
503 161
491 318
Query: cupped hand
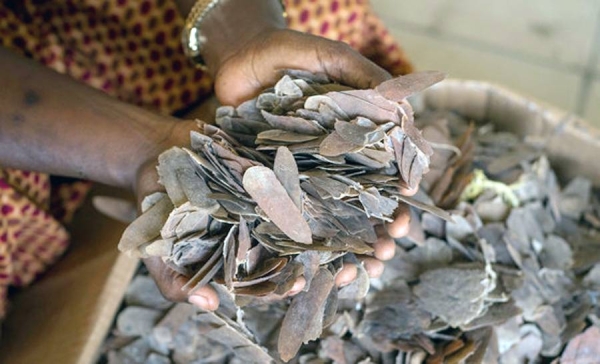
259 63
248 71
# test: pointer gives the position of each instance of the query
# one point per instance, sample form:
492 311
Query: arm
51 123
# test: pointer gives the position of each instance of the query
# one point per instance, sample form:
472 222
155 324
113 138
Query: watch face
191 37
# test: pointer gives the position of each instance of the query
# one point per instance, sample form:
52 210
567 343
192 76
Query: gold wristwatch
191 38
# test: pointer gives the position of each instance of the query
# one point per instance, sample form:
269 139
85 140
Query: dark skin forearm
231 24
53 124
185 6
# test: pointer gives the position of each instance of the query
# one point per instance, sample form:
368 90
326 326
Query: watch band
191 38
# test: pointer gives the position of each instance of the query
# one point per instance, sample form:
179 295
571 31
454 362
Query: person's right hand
247 50
258 64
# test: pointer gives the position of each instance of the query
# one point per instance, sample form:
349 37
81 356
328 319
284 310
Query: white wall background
549 49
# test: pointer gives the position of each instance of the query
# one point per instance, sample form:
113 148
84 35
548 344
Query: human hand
246 46
385 247
258 64
247 51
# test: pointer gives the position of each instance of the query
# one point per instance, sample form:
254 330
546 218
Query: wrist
172 133
230 24
144 135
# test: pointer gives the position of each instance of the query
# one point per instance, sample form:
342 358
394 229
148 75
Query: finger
399 227
373 266
385 247
407 191
346 275
297 287
205 298
170 284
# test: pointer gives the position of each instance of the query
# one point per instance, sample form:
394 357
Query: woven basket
572 145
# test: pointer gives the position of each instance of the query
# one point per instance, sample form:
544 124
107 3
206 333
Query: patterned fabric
353 22
31 237
129 49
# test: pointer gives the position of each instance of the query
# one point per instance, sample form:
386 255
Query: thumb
170 283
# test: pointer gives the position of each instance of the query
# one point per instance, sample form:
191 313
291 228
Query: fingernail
298 286
344 284
198 301
346 275
374 267
385 249
407 191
